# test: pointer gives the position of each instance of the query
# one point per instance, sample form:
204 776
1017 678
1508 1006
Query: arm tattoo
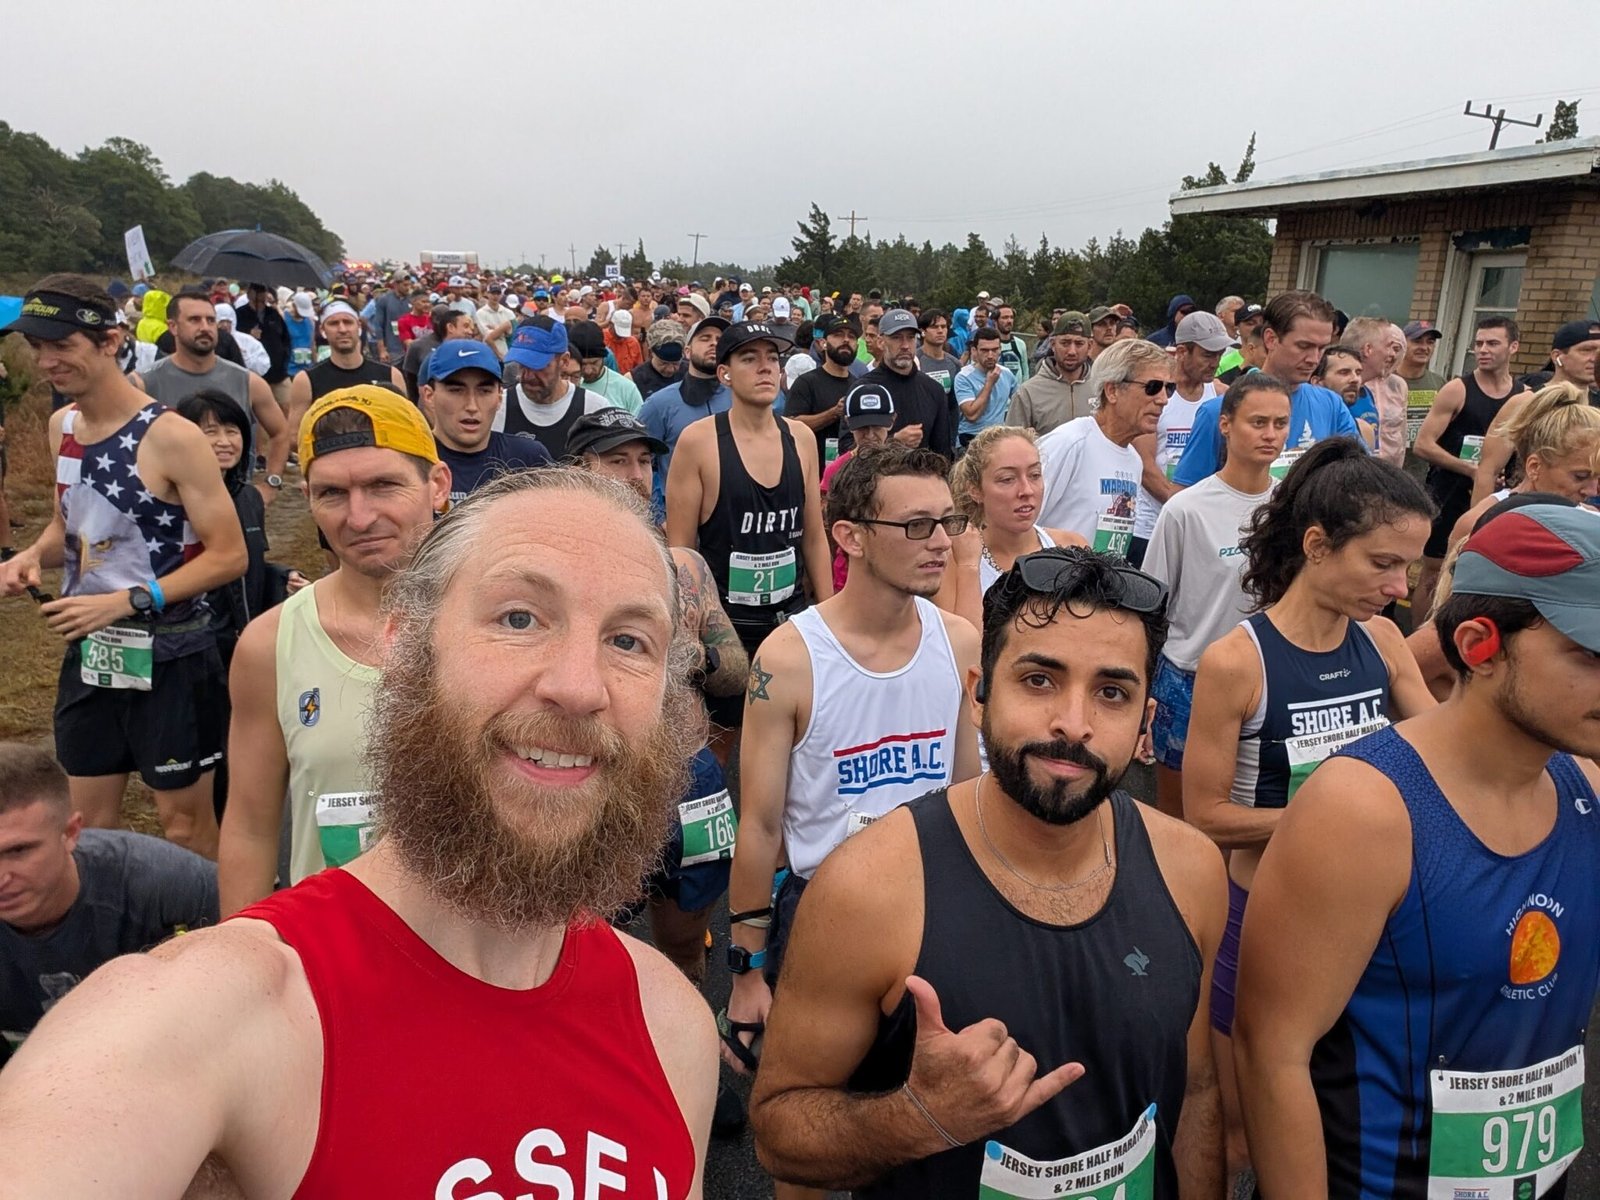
758 681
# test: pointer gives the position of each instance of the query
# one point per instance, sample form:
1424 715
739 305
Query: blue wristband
158 598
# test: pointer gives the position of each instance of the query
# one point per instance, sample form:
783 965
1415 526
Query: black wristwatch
742 961
143 602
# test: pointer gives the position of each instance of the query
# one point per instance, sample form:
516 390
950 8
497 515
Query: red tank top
437 1084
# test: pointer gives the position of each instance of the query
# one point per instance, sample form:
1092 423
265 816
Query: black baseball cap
868 404
607 428
1248 313
742 333
829 323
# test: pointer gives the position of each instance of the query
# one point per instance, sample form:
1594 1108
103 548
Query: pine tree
1564 124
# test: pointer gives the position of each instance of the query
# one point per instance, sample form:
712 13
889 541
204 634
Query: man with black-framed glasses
854 708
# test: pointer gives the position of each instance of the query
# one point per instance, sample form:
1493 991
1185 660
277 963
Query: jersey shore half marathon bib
1120 1170
1471 448
1280 465
118 656
1113 528
344 826
1308 751
710 828
761 579
1505 1135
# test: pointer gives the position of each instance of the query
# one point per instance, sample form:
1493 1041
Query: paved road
733 1174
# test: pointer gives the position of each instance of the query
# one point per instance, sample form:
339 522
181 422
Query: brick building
1448 240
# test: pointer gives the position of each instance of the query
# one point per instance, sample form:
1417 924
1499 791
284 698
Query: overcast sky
624 120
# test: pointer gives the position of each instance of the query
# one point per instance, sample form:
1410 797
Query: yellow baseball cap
397 424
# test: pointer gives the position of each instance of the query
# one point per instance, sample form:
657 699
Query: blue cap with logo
537 342
459 354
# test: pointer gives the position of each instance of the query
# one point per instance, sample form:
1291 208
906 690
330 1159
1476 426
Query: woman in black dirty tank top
999 989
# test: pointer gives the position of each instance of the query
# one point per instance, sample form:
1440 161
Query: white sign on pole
613 270
139 264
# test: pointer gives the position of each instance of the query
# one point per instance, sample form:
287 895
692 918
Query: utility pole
852 218
1499 119
696 237
621 246
573 250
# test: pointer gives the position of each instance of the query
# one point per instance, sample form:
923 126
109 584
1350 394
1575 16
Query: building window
1494 286
1369 281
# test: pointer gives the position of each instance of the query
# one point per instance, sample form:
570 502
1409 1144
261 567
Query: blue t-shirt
302 343
505 452
969 382
1314 413
1366 409
666 414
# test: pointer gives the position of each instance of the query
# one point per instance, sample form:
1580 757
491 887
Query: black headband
68 310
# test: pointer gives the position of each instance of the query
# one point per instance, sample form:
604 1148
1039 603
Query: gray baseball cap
1205 330
1545 554
895 320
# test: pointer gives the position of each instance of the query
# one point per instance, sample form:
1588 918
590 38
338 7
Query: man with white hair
1380 344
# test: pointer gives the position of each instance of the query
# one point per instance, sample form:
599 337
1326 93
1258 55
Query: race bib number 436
1505 1135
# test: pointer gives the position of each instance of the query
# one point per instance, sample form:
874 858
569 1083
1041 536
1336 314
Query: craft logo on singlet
895 758
1535 948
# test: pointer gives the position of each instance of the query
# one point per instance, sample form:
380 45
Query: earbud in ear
981 692
1477 655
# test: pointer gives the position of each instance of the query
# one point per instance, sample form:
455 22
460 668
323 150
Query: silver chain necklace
1042 887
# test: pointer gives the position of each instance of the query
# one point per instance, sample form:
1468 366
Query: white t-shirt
1090 484
1172 435
548 414
1194 550
492 318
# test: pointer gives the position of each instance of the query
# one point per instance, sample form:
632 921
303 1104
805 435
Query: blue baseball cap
1545 554
537 342
457 355
541 293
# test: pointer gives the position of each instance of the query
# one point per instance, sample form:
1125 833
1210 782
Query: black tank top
751 540
1477 414
1116 992
327 376
553 437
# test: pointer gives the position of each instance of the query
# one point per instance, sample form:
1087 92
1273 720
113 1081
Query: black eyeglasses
920 529
1152 387
1063 569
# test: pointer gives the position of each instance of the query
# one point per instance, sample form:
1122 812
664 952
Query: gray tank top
171 384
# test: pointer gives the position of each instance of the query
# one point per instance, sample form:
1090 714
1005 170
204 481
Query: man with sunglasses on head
1001 988
1091 469
854 707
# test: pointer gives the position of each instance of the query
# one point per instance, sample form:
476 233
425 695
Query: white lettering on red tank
600 1155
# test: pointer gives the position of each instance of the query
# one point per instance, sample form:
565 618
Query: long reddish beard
501 849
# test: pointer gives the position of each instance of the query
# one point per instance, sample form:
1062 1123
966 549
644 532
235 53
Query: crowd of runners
641 598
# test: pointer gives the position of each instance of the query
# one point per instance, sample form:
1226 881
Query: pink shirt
841 564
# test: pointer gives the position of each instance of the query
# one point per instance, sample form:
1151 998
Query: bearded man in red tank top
449 1015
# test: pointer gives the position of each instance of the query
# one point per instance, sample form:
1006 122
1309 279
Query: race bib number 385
118 656
1120 1170
1505 1135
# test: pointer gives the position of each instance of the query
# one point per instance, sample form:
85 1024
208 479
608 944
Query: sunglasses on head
1152 387
1062 569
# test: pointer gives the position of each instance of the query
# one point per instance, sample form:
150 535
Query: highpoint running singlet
462 1088
876 739
1457 1067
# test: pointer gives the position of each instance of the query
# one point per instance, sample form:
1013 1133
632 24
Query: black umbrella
251 256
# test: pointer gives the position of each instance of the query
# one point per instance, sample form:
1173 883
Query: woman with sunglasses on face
1194 549
997 485
1091 470
1314 669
